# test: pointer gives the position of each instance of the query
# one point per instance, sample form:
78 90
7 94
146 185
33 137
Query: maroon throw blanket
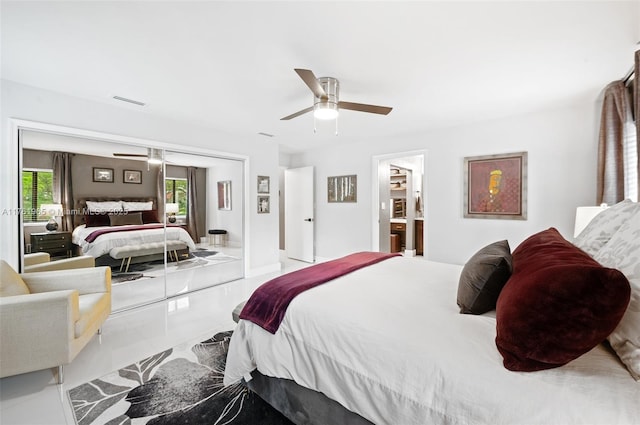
269 302
94 235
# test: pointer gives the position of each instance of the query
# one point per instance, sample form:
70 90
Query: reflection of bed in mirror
103 227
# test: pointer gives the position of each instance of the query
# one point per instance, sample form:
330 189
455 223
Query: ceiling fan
326 102
153 156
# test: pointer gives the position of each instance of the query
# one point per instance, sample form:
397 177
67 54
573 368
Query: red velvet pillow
558 304
150 216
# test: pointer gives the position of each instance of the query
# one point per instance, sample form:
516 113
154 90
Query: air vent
124 99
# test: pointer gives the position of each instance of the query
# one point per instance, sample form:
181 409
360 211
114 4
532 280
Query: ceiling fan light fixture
325 110
326 107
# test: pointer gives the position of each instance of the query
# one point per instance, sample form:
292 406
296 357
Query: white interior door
299 213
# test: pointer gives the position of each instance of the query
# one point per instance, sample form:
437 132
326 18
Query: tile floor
129 336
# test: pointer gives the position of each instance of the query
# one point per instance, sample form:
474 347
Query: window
176 192
37 189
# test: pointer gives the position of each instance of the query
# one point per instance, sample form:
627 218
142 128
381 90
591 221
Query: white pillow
622 252
104 206
137 206
604 225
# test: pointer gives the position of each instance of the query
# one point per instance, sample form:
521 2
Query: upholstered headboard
80 207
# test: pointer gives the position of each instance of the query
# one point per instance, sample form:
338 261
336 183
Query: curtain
614 129
62 187
192 208
160 195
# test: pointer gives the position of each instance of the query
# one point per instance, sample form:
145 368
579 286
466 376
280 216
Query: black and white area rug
182 385
201 252
149 270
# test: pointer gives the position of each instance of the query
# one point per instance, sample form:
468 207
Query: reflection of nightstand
55 243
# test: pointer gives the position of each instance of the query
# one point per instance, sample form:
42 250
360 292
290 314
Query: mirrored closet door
193 204
151 215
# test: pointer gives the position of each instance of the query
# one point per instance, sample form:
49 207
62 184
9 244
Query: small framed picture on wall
263 205
103 175
132 176
263 184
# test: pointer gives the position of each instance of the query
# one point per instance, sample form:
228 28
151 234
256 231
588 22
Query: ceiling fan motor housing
331 87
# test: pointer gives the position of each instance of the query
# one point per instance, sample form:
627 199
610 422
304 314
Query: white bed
103 244
95 214
388 342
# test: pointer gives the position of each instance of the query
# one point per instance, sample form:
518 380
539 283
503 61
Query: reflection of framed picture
263 184
224 195
103 175
132 176
342 188
495 186
263 204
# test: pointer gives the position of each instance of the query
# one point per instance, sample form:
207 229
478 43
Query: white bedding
389 343
104 243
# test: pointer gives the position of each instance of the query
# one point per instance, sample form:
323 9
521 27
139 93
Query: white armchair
46 318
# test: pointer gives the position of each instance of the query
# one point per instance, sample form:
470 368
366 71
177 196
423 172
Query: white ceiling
229 65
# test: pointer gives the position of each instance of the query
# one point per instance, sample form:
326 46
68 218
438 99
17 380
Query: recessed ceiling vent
124 99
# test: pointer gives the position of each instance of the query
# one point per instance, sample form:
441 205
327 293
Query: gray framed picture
132 176
263 184
103 175
342 188
264 206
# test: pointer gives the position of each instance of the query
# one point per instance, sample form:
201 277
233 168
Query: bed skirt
301 405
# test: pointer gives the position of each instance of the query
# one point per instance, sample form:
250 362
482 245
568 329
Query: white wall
562 149
28 103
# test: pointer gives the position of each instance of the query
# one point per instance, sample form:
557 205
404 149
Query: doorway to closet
398 211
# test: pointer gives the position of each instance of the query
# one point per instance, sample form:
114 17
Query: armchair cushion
92 307
11 283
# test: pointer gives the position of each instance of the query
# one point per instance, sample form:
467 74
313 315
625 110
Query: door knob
308 219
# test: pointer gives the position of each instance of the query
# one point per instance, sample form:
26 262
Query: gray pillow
125 219
483 277
604 225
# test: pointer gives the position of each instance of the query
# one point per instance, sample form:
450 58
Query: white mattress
388 342
104 243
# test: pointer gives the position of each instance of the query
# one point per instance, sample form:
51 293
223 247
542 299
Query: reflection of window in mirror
224 195
176 193
37 189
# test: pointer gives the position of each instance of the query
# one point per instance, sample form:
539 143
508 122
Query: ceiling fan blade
130 154
312 82
304 111
374 109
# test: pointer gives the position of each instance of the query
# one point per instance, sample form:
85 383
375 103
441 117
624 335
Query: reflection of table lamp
53 211
171 210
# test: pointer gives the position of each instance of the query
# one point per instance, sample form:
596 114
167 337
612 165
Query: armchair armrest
65 264
85 281
41 325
